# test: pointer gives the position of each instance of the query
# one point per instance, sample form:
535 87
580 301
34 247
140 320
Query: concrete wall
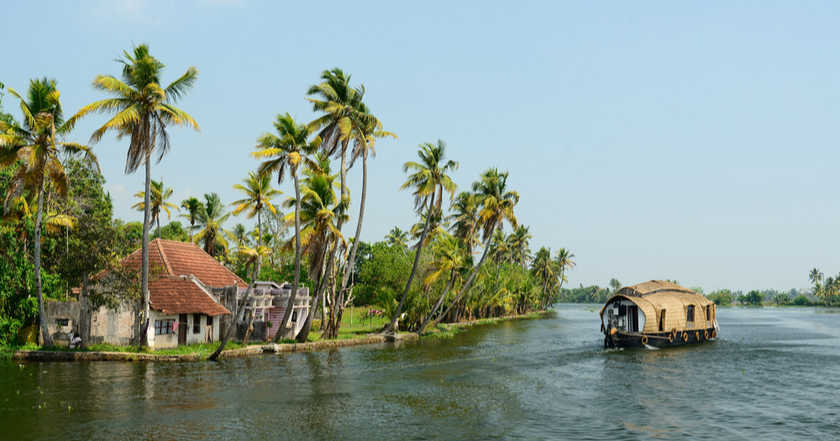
164 341
61 311
114 327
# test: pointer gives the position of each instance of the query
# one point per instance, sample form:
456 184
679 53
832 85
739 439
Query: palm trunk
84 313
232 327
158 227
469 280
437 305
259 228
349 266
42 315
144 265
249 329
291 304
429 215
303 335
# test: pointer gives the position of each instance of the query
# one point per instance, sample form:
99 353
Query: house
184 307
269 301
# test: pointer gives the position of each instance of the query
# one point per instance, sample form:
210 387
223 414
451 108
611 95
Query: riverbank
202 352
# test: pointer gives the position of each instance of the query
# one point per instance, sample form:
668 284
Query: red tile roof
182 295
182 258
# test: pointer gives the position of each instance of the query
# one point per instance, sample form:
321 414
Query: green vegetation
58 230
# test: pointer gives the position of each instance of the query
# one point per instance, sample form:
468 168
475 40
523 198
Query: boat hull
620 339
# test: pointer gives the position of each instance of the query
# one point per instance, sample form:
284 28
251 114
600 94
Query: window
689 317
708 313
62 322
662 321
196 323
294 316
163 327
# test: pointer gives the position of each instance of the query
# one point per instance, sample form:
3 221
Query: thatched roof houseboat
658 314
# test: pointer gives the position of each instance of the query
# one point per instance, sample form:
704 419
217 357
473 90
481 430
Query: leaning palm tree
397 238
192 205
32 149
253 258
449 258
142 110
210 220
563 260
287 151
258 195
429 181
321 211
496 204
160 194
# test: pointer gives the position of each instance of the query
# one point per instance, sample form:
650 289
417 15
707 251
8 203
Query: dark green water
773 374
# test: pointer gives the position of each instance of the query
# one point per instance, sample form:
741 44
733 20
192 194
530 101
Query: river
773 373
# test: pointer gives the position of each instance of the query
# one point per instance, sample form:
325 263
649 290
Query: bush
801 300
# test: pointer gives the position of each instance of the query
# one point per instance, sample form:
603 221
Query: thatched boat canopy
657 296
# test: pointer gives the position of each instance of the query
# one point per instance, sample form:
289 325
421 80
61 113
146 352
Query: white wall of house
170 340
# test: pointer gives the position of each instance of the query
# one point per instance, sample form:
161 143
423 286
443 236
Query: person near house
74 340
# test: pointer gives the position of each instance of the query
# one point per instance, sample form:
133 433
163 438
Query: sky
695 142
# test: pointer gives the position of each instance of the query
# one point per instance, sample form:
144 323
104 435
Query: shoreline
269 348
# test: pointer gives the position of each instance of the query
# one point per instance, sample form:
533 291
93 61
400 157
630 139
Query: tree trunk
469 280
158 227
349 266
232 327
291 304
249 329
42 315
84 313
259 228
144 270
303 335
437 305
429 215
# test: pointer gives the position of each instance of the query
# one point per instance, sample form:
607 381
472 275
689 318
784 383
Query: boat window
690 315
708 313
662 321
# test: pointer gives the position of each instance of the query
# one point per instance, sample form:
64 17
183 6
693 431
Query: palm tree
160 194
429 182
210 220
287 150
368 129
545 270
258 195
193 206
397 237
521 253
563 260
253 258
143 109
240 233
496 204
449 258
464 219
615 284
34 152
320 213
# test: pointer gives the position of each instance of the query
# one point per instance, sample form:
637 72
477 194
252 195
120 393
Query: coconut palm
815 276
320 213
545 270
496 204
253 259
287 151
192 205
563 260
429 181
32 149
210 220
449 258
258 195
142 109
367 130
397 237
464 219
518 243
240 233
615 284
160 194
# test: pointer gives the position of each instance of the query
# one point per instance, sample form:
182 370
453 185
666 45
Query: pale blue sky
690 141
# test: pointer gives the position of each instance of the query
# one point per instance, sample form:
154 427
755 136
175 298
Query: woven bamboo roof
653 287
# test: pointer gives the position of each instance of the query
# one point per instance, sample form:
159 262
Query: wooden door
182 329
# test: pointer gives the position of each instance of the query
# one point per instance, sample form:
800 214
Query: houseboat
657 314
